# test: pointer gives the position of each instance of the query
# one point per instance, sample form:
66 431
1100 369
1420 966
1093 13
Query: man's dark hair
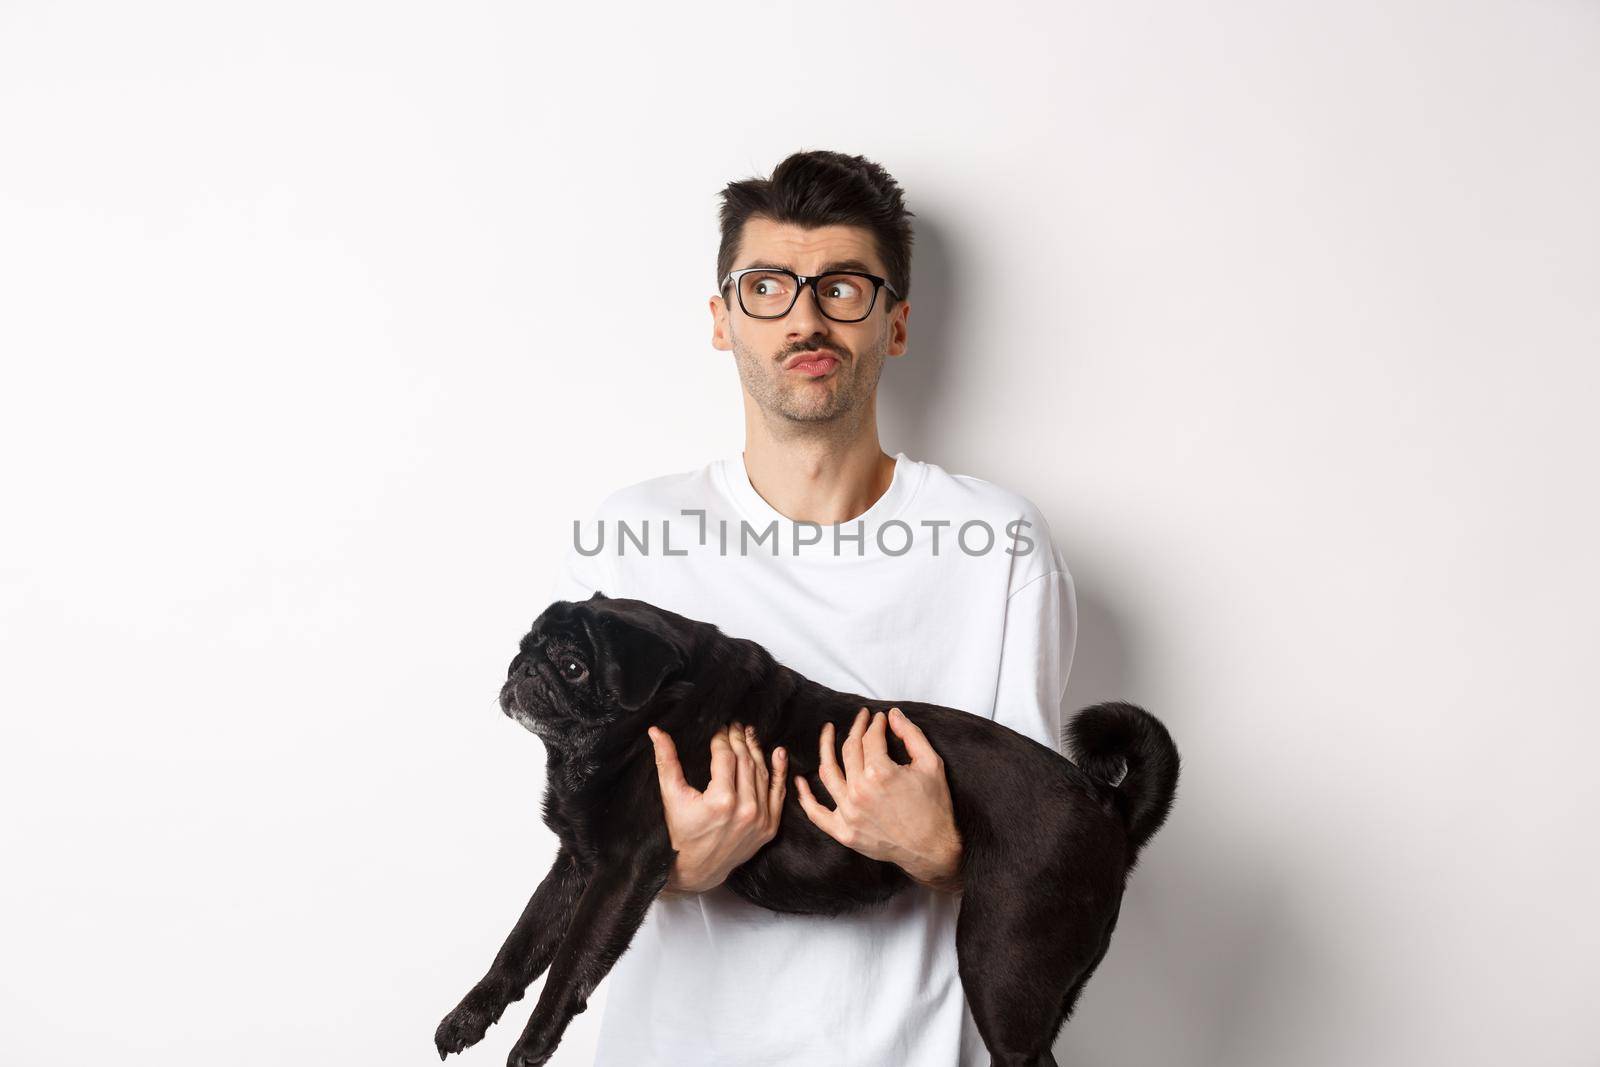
820 188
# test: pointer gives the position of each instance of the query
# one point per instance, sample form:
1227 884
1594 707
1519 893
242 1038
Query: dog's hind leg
1070 1001
1018 957
524 956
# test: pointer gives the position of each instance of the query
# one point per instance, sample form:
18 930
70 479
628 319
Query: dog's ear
636 662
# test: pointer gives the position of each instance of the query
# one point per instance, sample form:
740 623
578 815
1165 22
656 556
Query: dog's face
588 664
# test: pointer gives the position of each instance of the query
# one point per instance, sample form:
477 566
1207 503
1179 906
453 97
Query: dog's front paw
467 1023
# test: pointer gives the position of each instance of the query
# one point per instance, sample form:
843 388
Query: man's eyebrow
838 264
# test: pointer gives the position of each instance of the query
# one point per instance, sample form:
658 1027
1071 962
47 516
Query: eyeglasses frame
804 282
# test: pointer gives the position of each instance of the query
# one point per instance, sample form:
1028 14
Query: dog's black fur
1047 843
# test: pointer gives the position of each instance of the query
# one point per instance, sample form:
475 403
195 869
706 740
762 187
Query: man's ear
637 662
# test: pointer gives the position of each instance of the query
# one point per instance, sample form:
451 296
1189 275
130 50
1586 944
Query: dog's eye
572 670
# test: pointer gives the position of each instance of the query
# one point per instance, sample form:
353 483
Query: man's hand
886 811
719 829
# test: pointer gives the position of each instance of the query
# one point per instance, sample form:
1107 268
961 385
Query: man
868 573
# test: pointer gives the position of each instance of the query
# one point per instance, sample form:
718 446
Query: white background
315 342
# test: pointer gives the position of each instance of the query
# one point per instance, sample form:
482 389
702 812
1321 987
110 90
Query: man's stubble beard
792 397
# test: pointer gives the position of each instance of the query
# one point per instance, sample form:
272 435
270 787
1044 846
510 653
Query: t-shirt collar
761 514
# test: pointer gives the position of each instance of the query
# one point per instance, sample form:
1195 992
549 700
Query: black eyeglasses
841 295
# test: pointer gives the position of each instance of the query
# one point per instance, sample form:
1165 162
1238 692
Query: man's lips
813 362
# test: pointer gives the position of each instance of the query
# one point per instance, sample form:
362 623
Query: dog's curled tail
1106 737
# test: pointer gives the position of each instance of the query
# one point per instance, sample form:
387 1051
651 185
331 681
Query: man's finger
744 775
758 768
780 776
722 765
758 757
821 816
917 743
669 772
827 765
851 749
755 745
875 745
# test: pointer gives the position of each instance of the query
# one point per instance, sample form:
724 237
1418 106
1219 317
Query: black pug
1047 843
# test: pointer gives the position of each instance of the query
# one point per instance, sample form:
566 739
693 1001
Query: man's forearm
942 874
680 882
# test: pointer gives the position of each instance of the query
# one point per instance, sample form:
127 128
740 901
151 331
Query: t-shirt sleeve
1041 635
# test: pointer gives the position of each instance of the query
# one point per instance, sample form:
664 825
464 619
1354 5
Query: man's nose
805 318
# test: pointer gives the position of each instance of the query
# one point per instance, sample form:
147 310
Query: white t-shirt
902 612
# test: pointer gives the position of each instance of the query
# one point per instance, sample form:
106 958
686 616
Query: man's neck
817 480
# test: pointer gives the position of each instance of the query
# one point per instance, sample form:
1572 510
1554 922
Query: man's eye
572 670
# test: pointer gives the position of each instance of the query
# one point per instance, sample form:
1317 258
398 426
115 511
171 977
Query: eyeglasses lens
770 295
